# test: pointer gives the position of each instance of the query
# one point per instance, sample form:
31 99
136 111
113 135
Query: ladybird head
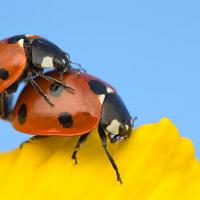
115 118
45 54
62 62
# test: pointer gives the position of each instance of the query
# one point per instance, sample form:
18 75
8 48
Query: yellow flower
155 164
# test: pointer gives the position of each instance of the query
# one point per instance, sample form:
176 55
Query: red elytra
32 115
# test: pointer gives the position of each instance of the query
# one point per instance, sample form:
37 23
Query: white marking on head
102 98
127 126
47 62
113 127
64 61
110 90
21 43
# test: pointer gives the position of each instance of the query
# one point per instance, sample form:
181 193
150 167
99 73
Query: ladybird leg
62 72
39 90
8 106
33 139
2 105
36 138
81 140
62 76
103 138
3 96
57 82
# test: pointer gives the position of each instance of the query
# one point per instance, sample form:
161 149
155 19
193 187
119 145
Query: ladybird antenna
79 65
80 68
133 119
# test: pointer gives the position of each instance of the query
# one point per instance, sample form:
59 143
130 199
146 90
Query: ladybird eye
63 61
68 56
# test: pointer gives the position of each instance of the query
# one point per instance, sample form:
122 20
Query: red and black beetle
95 104
26 56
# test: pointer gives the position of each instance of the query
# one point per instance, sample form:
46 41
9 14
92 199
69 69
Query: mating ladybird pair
89 102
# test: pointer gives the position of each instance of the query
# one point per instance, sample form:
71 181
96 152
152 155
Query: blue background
148 50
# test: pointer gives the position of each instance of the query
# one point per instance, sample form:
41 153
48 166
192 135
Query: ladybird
26 56
95 104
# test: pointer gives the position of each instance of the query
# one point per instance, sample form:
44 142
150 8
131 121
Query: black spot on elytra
97 87
22 114
4 75
56 90
15 39
65 120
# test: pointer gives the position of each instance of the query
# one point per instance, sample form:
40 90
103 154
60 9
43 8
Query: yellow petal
155 164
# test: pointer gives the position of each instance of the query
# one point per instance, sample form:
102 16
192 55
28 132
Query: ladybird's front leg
81 140
3 104
39 90
62 72
56 82
6 101
33 139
